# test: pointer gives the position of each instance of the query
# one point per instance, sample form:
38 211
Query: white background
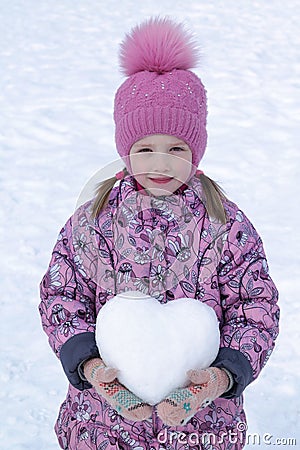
58 76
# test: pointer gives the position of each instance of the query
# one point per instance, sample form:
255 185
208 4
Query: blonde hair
212 193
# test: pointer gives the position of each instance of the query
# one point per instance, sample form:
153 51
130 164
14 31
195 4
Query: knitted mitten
179 406
102 378
96 371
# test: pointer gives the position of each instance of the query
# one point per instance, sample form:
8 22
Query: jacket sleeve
67 307
249 303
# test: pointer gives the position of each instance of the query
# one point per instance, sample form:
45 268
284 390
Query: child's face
161 163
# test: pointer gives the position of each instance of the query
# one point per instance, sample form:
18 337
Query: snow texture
58 76
153 345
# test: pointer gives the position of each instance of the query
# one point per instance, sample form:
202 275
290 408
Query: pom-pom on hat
161 95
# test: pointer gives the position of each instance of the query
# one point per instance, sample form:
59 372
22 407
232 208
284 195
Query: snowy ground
58 76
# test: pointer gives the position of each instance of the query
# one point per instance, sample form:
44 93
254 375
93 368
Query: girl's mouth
161 180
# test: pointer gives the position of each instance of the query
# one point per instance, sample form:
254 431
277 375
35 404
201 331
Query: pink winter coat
168 248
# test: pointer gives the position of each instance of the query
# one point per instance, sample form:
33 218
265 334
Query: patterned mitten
179 406
102 378
96 371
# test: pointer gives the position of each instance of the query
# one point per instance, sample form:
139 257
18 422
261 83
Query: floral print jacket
169 248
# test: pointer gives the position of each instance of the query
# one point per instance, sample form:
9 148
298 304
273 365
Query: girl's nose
160 162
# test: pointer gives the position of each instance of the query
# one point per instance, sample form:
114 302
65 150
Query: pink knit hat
161 95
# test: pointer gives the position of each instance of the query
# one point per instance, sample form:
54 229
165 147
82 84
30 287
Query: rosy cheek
138 164
140 177
138 171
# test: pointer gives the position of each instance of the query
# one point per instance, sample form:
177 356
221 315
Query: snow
139 336
58 76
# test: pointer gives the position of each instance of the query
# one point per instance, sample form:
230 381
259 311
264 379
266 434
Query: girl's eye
177 149
144 150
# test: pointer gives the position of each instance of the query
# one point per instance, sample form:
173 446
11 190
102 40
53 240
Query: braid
102 194
213 198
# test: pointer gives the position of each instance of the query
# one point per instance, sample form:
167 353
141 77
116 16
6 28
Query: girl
166 230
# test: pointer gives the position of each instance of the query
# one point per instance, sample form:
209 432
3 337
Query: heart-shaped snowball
153 345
